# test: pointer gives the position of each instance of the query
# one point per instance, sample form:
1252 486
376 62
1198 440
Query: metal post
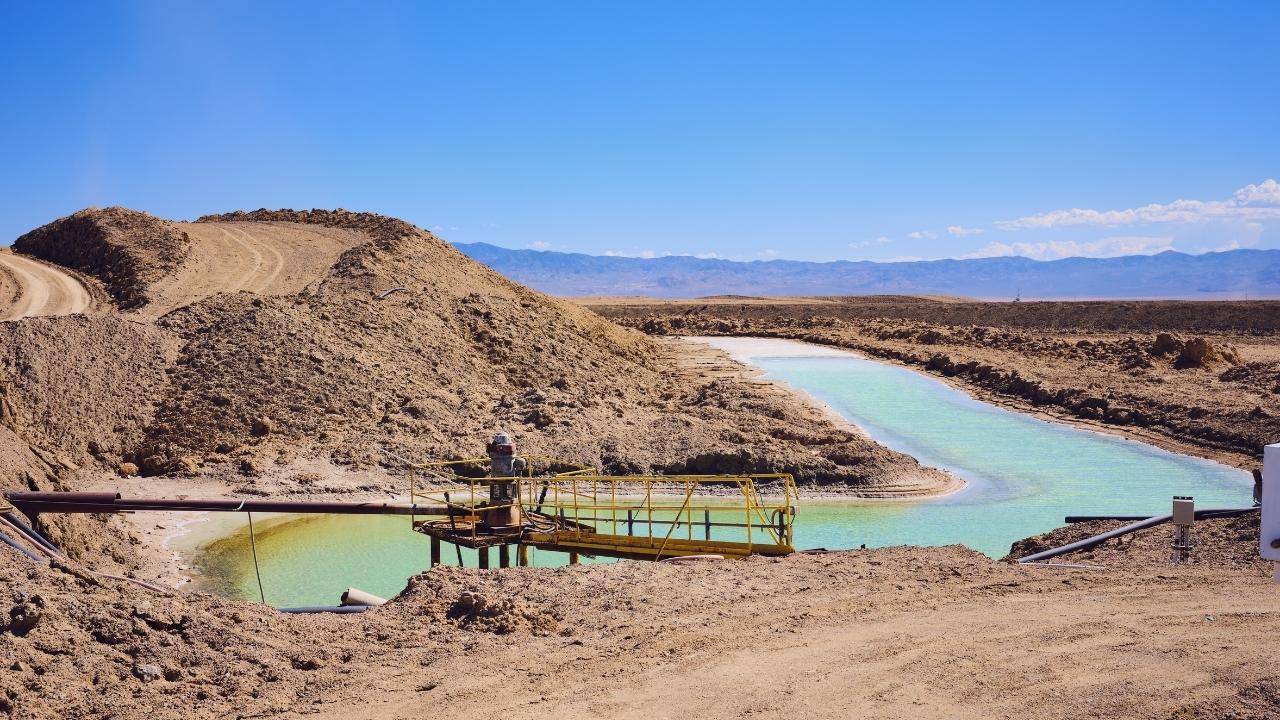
504 556
706 522
573 558
435 551
522 555
1184 514
484 557
631 523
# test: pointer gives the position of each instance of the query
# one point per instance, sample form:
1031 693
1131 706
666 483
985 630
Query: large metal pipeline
34 503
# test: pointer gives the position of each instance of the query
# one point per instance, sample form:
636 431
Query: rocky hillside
400 343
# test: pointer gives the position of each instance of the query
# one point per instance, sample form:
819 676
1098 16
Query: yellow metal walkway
645 517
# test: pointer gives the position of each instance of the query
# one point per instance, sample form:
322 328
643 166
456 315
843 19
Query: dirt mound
125 249
81 387
453 595
76 646
1200 353
407 344
272 335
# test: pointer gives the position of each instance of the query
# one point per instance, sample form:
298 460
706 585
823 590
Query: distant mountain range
1235 274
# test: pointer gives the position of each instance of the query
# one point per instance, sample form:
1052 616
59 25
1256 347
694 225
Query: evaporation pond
1023 476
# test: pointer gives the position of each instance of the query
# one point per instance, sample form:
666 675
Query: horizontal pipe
1097 539
1200 515
339 609
1069 566
356 596
88 497
30 502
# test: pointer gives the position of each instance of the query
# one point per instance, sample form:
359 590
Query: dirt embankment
1215 394
127 250
889 633
1132 316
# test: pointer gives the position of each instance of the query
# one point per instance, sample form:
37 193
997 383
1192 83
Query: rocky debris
1166 345
125 249
148 673
261 426
24 616
1200 353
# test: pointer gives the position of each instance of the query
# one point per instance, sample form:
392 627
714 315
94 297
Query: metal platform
580 512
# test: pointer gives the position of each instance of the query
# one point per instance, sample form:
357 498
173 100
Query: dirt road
897 633
249 256
31 288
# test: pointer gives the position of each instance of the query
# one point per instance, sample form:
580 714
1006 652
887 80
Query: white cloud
922 235
868 243
706 256
1249 203
1058 249
767 253
1236 244
647 254
904 258
962 231
540 245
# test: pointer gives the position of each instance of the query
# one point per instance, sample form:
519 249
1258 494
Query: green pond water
1023 476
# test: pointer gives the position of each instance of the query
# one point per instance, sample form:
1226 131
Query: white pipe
355 596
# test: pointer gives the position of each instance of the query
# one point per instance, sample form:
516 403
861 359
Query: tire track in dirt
31 288
249 256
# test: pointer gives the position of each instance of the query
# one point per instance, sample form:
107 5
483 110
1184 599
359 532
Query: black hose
1205 514
337 609
30 533
1089 542
14 544
453 526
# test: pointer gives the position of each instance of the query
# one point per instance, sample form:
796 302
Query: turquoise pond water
1023 476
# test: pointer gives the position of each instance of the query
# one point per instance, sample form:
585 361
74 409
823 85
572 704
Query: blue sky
746 130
